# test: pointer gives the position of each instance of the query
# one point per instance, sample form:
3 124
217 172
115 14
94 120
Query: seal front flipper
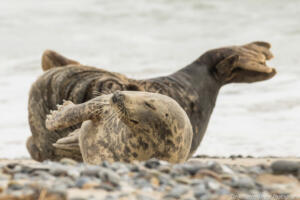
70 114
51 59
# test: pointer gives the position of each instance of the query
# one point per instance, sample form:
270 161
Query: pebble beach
202 178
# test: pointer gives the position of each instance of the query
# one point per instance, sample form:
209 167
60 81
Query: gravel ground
201 178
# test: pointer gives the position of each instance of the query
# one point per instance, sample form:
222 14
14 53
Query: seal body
126 126
194 87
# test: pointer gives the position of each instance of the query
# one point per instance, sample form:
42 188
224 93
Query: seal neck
199 78
199 91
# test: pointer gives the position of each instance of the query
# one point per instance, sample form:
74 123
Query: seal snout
117 97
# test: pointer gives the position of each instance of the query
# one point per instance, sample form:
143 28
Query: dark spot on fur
149 105
102 143
127 150
178 139
132 87
169 142
192 105
134 154
167 114
143 143
133 121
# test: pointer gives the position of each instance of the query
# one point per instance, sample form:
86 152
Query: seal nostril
114 98
117 96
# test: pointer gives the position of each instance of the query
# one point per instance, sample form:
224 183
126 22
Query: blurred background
152 38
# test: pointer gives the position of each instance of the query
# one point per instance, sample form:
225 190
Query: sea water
152 38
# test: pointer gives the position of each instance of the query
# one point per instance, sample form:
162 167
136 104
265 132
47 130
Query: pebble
68 161
177 192
285 167
80 182
200 190
153 179
243 182
109 175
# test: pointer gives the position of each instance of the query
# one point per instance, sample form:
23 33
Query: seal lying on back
195 87
125 126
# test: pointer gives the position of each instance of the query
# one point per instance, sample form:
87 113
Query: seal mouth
258 68
118 100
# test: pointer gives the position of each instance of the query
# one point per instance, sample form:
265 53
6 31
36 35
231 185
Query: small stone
91 185
227 170
223 191
256 170
4 177
213 185
91 171
164 169
68 161
182 179
285 167
192 168
106 186
214 166
154 181
53 195
65 182
107 175
152 163
199 190
80 182
15 186
143 197
59 171
73 173
165 179
243 182
141 183
20 176
177 192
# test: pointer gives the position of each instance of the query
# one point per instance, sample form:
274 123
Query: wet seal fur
195 87
125 126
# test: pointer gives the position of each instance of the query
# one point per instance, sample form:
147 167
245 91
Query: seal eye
135 122
149 105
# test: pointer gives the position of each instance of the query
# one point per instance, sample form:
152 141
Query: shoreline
231 160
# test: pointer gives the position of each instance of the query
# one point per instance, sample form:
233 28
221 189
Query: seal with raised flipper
125 126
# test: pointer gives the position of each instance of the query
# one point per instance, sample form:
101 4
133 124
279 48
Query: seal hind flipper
33 150
70 142
51 59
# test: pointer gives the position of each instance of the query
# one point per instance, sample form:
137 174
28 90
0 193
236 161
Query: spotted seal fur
195 87
125 126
